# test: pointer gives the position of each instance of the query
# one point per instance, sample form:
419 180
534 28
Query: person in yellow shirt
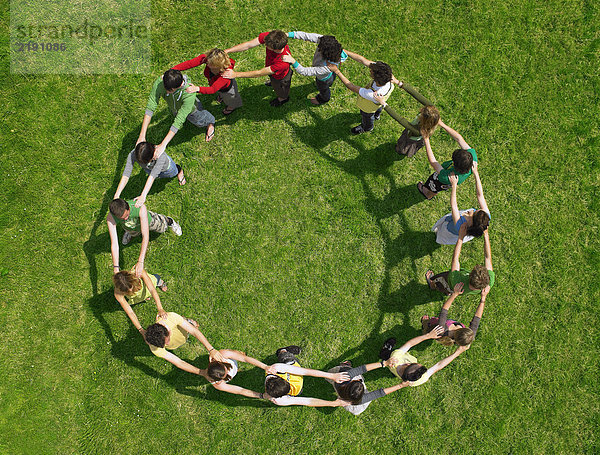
169 333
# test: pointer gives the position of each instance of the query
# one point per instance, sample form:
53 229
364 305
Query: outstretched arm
237 390
487 250
479 188
130 313
437 167
142 197
230 74
242 357
213 353
436 332
292 369
453 202
456 136
183 365
243 46
153 293
358 58
139 267
114 242
344 79
304 401
456 256
442 364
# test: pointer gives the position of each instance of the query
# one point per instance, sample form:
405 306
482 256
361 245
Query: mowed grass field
296 232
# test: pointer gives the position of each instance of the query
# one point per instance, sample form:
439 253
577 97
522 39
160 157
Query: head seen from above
172 79
218 371
276 386
429 116
479 277
119 208
462 160
144 152
276 40
480 222
330 48
381 73
126 282
157 335
217 60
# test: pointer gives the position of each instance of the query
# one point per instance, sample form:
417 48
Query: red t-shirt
215 81
273 59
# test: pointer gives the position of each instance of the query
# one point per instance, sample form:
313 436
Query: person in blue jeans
162 167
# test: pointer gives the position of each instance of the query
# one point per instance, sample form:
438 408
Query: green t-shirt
462 276
132 223
444 174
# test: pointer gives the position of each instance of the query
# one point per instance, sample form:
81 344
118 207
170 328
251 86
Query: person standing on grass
381 84
466 224
277 381
161 168
454 331
216 61
404 365
172 332
474 282
461 164
171 87
279 72
135 220
131 290
329 51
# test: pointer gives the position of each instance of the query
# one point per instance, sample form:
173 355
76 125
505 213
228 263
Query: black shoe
277 103
268 83
358 129
387 348
377 117
296 350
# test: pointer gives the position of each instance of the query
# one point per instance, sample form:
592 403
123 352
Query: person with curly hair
329 51
381 84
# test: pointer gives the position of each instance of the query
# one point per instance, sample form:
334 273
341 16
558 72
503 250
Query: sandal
210 133
181 179
228 110
428 276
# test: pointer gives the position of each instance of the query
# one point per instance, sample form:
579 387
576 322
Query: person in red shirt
279 72
216 61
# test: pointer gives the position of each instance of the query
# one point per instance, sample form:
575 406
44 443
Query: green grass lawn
295 231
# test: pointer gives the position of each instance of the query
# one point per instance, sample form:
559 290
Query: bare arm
160 148
145 124
130 313
481 306
181 364
304 401
358 58
436 332
456 136
487 250
114 242
121 187
393 388
458 289
344 79
456 256
443 363
242 357
237 390
243 46
437 167
185 325
453 202
292 369
145 240
230 74
153 293
479 189
142 197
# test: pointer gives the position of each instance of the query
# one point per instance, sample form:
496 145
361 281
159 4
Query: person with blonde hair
216 61
130 290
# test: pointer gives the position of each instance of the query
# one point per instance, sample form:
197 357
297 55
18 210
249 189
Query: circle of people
284 379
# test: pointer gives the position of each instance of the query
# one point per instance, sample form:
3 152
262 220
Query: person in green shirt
135 220
480 278
171 87
461 164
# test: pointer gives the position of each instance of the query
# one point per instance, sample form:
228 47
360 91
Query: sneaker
296 350
175 228
387 348
268 82
358 129
377 116
126 238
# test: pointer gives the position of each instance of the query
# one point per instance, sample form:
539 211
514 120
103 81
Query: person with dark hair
135 220
466 224
284 381
172 332
405 366
161 168
279 72
461 165
454 331
216 61
329 51
481 277
171 87
382 84
131 290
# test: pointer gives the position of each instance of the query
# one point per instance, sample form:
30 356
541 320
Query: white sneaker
176 228
126 238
